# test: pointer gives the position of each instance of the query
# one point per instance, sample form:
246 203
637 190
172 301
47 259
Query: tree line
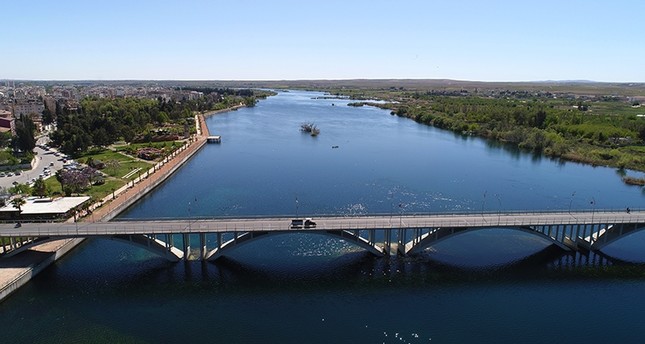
101 122
541 126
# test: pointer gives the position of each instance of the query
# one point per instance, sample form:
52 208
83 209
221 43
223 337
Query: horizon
497 41
327 80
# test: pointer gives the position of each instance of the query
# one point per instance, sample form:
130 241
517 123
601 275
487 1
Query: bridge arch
614 233
30 244
148 243
248 237
437 235
152 245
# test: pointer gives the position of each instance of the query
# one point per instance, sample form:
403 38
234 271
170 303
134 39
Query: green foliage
24 141
601 135
20 189
17 203
101 122
7 158
5 139
40 188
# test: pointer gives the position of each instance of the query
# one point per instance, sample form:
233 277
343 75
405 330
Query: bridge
379 234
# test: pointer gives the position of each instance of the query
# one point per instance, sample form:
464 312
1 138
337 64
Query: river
490 286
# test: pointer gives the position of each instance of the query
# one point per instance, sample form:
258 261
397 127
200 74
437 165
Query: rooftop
37 206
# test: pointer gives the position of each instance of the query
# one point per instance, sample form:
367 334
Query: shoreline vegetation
612 140
12 278
594 123
594 128
129 135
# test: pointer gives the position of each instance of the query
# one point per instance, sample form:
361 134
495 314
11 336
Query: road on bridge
323 223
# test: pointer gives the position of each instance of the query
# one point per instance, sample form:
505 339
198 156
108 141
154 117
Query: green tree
48 116
25 130
540 117
17 203
100 138
249 101
40 188
5 139
19 189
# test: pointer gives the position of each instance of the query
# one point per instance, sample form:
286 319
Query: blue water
490 286
382 164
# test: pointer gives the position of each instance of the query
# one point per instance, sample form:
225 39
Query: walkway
17 270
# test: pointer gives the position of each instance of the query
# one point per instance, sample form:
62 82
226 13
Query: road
44 158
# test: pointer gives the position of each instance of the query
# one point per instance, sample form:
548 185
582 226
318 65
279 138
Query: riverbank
592 130
17 270
228 109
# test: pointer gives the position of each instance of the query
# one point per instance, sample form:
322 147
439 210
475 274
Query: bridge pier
578 231
168 244
401 241
202 246
387 242
186 244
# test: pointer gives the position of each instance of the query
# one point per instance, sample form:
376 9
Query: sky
293 40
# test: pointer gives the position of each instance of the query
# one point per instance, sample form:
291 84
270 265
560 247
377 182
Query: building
7 122
43 208
28 107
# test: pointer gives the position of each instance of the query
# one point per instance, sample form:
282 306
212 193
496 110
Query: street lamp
75 219
571 201
499 212
483 202
297 205
188 216
593 208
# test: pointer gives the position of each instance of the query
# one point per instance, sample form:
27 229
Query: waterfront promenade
17 270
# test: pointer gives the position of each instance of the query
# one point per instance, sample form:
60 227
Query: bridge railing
389 221
397 214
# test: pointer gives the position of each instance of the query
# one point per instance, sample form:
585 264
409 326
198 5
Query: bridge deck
323 223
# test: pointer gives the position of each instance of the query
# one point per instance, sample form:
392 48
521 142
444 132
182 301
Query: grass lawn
119 165
99 191
168 145
615 108
122 166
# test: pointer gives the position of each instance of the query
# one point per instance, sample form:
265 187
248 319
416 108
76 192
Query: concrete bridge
379 234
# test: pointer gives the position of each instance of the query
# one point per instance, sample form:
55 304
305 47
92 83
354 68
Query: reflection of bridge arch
424 239
248 237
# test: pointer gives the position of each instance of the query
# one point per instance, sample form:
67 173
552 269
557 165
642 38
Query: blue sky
282 39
